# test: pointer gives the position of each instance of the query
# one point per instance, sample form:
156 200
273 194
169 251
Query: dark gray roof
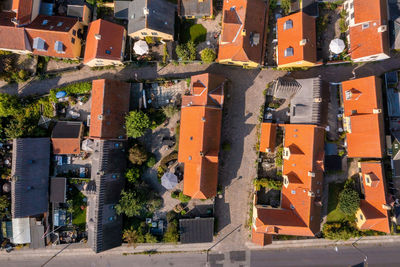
108 168
67 129
37 231
161 16
285 88
58 187
310 7
121 9
195 8
30 172
198 230
306 106
75 11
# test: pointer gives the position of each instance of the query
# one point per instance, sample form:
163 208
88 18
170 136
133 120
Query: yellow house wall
359 221
164 36
297 64
77 47
250 64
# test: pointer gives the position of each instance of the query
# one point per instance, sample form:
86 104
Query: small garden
343 203
77 203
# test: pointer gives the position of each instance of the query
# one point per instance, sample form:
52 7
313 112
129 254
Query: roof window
45 22
288 24
60 24
108 52
365 25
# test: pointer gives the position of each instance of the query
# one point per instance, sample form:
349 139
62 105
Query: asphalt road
344 256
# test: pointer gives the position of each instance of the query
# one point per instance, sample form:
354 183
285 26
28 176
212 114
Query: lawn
334 214
192 32
78 215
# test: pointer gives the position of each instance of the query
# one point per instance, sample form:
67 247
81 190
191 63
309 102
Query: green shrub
172 156
182 52
165 54
285 5
191 47
267 183
198 33
175 194
208 55
184 198
279 157
183 212
340 230
136 122
172 234
149 238
151 162
170 110
133 175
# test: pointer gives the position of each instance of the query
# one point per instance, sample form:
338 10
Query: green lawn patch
78 215
192 32
334 214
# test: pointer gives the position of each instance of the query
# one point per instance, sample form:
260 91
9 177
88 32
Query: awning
21 231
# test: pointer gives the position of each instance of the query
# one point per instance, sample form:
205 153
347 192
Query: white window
288 24
289 52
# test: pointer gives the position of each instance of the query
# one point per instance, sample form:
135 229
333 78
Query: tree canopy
137 155
208 55
349 201
137 122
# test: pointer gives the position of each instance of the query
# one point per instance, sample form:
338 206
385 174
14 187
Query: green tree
285 5
9 105
137 122
349 201
208 55
154 204
182 52
133 174
172 235
137 155
129 204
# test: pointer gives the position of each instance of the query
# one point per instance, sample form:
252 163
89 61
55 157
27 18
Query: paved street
344 256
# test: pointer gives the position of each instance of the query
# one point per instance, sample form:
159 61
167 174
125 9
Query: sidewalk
84 250
309 243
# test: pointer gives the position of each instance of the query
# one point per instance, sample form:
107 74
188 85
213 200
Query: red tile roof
376 216
362 102
23 10
110 104
369 41
300 211
304 28
268 137
19 40
52 29
110 44
200 133
237 20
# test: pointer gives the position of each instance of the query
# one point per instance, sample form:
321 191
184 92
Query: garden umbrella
169 180
141 47
61 94
337 46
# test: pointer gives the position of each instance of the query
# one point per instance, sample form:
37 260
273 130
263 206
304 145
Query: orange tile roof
260 239
200 134
369 42
236 20
19 40
300 212
268 137
55 29
23 10
110 104
376 216
112 37
304 27
360 98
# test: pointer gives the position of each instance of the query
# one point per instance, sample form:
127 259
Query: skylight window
365 25
45 22
59 24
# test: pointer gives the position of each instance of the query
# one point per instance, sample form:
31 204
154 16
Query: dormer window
39 44
288 24
59 47
289 52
